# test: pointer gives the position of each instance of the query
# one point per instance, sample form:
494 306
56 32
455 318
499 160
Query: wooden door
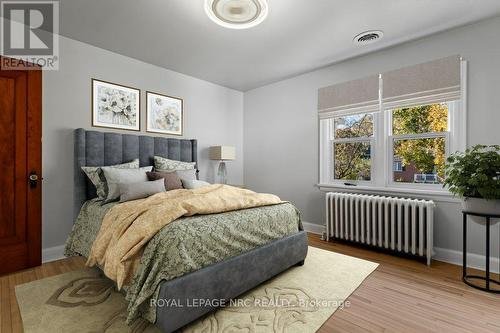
20 158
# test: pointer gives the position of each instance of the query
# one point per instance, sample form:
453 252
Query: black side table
467 278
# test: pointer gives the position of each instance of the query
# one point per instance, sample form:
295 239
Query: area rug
298 300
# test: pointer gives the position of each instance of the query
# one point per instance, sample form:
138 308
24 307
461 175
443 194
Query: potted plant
475 176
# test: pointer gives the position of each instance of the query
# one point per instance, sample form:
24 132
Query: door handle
33 178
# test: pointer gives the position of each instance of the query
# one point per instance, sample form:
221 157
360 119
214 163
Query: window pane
422 160
420 119
355 126
352 161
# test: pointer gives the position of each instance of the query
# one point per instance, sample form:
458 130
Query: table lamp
222 154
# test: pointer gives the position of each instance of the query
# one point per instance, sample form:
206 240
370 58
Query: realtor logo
30 33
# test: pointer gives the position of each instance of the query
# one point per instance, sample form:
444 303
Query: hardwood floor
402 295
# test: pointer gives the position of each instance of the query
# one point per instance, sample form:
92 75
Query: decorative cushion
165 164
140 190
191 184
170 179
97 177
115 176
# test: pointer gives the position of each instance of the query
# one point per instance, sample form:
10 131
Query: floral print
116 106
162 163
164 114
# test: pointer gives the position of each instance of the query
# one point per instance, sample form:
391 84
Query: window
418 141
352 146
414 141
394 129
397 166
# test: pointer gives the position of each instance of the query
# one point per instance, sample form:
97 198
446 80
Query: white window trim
389 149
381 178
330 167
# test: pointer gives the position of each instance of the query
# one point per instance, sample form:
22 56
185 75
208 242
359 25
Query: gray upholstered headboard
94 148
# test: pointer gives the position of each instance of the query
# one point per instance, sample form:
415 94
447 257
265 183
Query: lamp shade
222 153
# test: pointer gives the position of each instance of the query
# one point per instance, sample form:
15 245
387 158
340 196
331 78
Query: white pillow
186 174
97 178
115 176
140 190
192 184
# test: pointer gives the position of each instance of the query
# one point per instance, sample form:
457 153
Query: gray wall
281 126
213 115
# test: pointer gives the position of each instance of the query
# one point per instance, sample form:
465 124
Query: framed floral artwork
115 106
164 114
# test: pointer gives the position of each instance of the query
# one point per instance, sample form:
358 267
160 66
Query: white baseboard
445 255
313 228
473 260
53 253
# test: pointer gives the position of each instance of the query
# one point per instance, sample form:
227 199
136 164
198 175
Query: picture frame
164 114
115 106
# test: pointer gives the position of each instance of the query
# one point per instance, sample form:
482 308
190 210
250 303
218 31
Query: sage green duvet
186 245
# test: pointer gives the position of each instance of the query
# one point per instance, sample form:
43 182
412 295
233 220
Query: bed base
226 280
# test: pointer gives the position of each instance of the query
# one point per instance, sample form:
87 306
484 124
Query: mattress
186 245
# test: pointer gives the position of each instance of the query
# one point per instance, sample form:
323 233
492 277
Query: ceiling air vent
368 37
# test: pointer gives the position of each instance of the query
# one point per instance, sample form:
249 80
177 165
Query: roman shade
357 96
434 81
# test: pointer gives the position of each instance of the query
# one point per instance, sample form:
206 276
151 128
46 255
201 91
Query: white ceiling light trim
237 14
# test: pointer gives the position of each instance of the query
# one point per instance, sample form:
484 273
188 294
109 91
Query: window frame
333 140
391 138
382 146
381 177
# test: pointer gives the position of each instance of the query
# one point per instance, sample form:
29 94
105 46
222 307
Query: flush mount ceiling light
237 14
368 37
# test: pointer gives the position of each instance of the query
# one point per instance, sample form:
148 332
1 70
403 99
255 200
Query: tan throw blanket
127 227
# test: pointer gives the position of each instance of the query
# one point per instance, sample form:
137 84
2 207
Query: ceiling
298 35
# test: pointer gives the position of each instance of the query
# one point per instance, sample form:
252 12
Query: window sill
436 195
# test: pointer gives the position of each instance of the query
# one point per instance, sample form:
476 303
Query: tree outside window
352 147
419 142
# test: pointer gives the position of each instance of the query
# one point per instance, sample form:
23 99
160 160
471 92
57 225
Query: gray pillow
164 164
140 190
182 174
97 178
192 184
115 176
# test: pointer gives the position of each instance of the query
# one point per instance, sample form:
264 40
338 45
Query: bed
224 270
